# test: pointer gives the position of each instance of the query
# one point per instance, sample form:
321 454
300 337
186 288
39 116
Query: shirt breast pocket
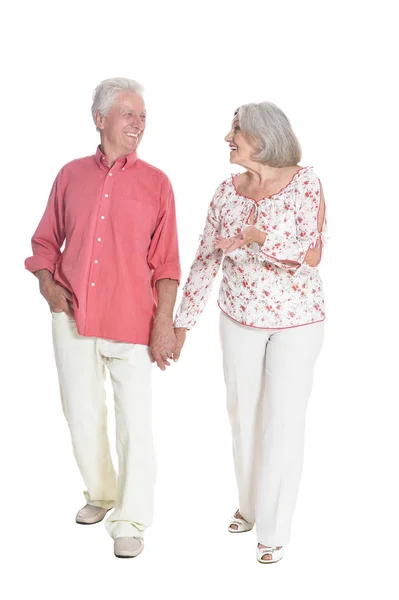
136 221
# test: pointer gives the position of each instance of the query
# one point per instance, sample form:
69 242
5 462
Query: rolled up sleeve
50 233
163 254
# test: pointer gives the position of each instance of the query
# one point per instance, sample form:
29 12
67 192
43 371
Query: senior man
111 291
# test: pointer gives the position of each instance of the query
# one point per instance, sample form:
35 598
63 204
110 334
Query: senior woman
266 226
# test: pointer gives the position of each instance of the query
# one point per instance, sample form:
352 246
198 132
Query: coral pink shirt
258 289
120 234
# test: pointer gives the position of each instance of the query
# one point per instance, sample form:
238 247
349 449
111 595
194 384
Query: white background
331 69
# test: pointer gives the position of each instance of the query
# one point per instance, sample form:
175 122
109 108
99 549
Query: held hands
166 343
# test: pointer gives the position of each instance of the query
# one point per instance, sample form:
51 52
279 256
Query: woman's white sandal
275 553
242 525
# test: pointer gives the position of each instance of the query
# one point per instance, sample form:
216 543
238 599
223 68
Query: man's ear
99 119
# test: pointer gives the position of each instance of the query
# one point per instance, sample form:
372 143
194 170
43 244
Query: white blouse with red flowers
258 288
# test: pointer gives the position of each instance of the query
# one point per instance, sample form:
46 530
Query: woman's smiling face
241 150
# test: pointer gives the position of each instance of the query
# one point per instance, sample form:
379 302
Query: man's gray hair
106 92
268 129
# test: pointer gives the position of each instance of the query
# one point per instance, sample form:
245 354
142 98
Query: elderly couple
112 290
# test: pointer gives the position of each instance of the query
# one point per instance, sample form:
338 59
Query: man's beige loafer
128 547
89 514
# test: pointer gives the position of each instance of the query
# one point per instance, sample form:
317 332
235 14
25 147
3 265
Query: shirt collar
123 162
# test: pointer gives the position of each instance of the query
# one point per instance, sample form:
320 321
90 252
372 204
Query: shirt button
93 284
98 239
123 168
105 195
110 174
96 262
103 217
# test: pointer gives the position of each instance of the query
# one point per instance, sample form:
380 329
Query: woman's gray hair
106 92
268 129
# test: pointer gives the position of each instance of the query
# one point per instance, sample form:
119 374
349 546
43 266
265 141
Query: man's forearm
167 292
44 276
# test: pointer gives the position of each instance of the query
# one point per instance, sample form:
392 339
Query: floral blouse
258 288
